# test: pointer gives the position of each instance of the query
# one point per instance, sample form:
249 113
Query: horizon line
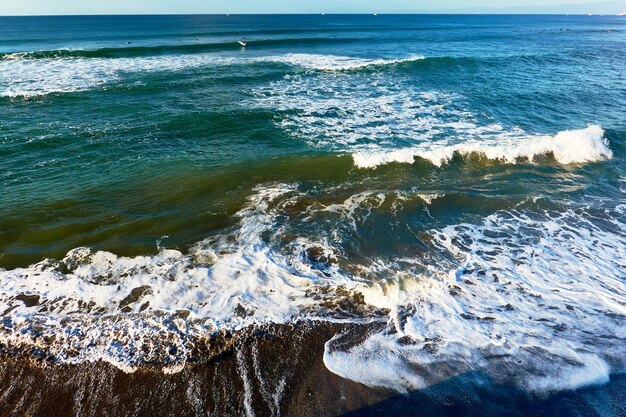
319 14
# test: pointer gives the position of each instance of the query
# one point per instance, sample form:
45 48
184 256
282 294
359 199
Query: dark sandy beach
269 371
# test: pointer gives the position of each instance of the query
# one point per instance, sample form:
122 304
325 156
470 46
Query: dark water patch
475 394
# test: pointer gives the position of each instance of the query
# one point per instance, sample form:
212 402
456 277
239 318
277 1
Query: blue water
461 177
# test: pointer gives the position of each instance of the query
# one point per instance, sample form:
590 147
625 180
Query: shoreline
260 370
268 370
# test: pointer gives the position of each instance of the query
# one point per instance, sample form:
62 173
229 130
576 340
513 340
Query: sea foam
380 119
537 299
526 296
21 76
567 147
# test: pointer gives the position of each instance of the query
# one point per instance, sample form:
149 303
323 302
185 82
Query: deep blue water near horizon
463 174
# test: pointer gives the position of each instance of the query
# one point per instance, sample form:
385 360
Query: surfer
243 42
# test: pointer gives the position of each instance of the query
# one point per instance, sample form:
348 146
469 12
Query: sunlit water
460 179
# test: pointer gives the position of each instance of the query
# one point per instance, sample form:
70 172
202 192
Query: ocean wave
22 76
212 281
528 296
338 63
567 147
537 300
134 311
395 123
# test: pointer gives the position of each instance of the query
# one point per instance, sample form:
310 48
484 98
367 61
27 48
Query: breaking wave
338 63
528 296
567 147
23 76
537 299
381 120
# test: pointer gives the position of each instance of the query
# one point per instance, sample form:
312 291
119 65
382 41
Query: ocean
454 184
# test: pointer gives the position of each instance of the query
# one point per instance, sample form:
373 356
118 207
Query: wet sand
267 371
273 370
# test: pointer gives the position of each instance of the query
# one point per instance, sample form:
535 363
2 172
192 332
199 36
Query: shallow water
460 178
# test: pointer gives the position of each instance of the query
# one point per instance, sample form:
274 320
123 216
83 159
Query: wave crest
567 147
33 74
339 63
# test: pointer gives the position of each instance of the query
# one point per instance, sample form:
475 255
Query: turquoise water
461 177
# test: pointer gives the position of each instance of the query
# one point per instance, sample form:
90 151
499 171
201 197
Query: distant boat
622 14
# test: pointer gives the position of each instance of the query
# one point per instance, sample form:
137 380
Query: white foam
363 202
378 365
229 282
530 297
568 147
39 77
429 198
21 76
534 299
247 386
337 63
380 119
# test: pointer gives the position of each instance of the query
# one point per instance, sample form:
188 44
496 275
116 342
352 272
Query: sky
44 7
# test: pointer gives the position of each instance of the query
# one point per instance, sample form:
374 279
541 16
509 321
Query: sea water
459 179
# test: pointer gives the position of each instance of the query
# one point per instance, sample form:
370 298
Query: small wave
568 147
62 72
338 63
